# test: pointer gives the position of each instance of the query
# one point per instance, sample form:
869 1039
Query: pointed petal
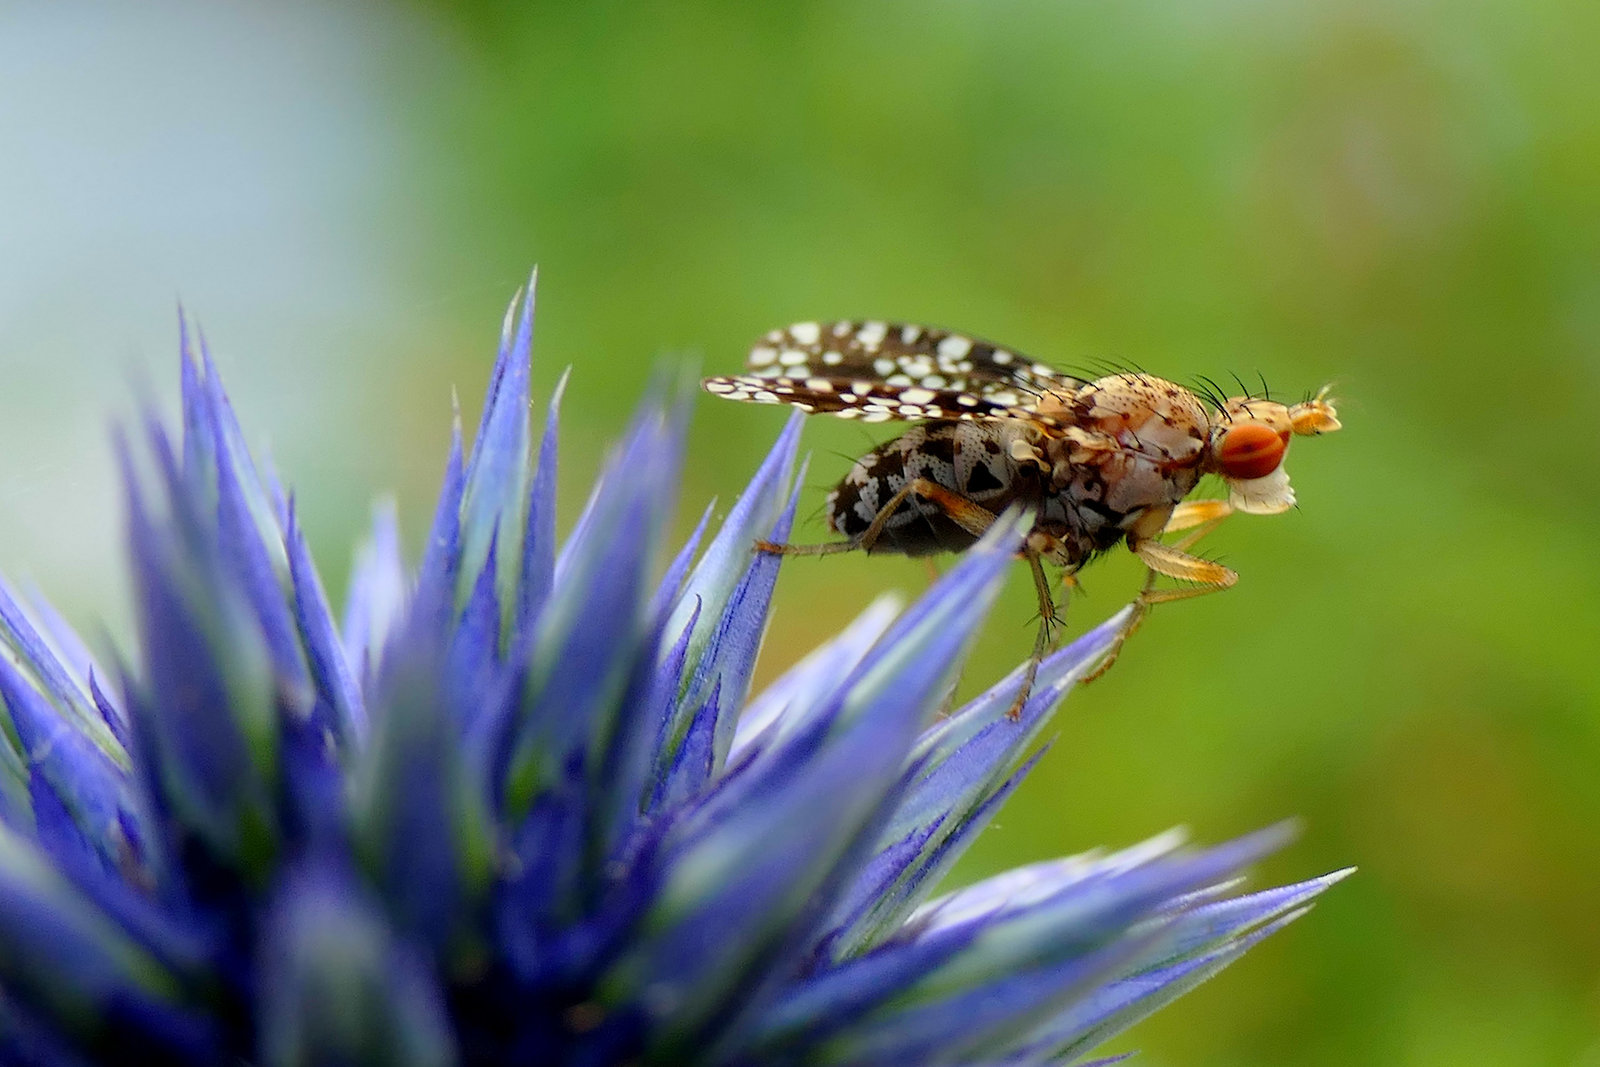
595 628
787 706
1001 958
339 987
61 956
899 877
93 792
751 518
244 517
266 498
421 825
472 663
57 633
539 541
67 690
921 651
728 658
1207 926
204 710
694 762
332 677
1119 1005
745 876
241 527
74 655
111 711
975 1022
731 566
671 587
969 759
1144 876
434 598
377 597
494 502
199 457
877 880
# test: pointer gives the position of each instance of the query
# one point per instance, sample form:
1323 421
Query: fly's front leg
1201 516
1174 561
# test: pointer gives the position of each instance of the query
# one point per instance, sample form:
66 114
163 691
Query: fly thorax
1141 482
1172 437
1137 442
1120 403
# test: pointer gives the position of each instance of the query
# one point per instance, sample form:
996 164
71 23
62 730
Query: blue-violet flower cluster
518 805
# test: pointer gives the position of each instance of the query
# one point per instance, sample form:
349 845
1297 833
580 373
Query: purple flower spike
518 804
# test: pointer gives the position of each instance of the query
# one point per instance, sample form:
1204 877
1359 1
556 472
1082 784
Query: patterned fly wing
876 371
871 401
899 354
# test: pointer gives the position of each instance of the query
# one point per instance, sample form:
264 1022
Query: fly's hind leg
971 517
1043 640
1174 561
976 520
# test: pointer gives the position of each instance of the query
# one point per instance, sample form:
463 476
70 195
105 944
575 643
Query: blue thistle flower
519 805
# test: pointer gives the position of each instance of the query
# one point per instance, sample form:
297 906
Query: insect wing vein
869 400
903 355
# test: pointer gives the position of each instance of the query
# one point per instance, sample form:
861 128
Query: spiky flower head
517 806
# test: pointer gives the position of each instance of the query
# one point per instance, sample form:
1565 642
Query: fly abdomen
969 458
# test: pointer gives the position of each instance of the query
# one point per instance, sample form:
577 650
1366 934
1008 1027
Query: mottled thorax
1131 443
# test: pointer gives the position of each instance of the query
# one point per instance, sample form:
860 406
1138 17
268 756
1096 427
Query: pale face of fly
1249 441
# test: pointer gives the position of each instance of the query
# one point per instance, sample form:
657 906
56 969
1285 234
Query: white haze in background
241 159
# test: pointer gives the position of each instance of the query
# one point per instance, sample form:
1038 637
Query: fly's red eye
1250 450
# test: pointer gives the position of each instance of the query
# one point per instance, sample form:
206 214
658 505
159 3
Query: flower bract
518 804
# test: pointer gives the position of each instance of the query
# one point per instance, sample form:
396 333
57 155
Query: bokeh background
1399 197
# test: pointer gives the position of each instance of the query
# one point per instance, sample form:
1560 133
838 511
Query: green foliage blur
1397 197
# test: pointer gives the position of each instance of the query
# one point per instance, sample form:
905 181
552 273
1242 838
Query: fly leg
1174 561
971 517
1043 640
1204 514
976 520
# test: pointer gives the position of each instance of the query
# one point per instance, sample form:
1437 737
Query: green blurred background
1400 198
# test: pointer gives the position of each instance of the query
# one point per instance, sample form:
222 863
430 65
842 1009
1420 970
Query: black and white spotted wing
901 354
877 371
868 400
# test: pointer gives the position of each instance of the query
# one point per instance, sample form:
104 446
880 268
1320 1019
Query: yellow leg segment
1173 561
1192 513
